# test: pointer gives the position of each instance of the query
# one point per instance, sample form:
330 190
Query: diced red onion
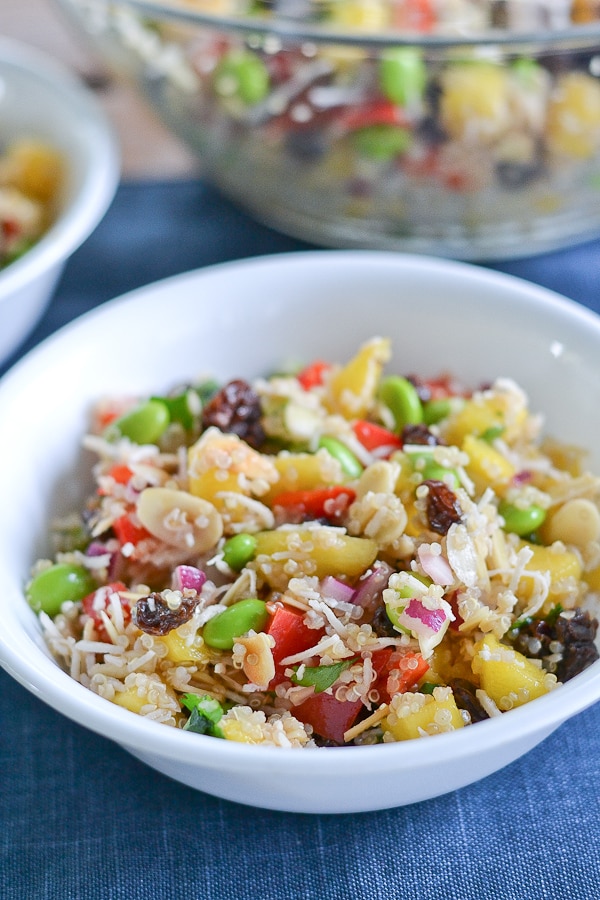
436 566
371 587
96 548
433 619
336 590
188 578
523 477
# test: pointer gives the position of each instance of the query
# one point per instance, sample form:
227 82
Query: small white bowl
39 99
245 319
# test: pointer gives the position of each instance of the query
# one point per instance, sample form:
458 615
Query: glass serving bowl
460 128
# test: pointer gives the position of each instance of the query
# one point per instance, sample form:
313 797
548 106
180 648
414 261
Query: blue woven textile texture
80 818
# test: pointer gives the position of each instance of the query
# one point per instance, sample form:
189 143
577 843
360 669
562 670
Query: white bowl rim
102 167
55 687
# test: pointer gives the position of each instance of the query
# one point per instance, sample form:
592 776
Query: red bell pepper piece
408 676
374 437
379 112
452 599
291 636
415 15
319 503
129 533
312 375
330 717
120 473
98 600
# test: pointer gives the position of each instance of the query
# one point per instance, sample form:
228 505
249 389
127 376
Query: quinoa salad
483 148
31 174
330 557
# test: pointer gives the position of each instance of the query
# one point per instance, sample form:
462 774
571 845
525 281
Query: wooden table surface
148 150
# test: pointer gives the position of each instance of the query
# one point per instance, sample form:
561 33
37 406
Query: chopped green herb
321 677
521 623
490 434
427 688
206 390
554 614
205 713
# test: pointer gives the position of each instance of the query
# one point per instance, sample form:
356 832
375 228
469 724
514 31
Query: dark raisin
153 615
236 409
419 434
423 390
577 628
576 658
443 508
514 175
465 698
534 639
576 633
382 625
306 145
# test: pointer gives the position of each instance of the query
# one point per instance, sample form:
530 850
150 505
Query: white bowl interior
246 319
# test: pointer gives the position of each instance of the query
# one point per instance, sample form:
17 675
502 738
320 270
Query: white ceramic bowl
40 99
246 318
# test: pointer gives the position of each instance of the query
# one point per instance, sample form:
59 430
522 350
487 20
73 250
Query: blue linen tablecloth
80 818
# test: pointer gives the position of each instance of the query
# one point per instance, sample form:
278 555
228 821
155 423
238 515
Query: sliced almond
180 519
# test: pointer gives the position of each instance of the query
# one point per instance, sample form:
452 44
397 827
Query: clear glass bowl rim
572 38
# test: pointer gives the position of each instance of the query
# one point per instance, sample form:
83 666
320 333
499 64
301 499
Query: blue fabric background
80 818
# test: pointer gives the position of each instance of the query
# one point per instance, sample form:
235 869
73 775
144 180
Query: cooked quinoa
335 556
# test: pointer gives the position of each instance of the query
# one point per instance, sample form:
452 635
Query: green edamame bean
351 466
222 630
54 586
143 425
381 141
239 550
528 71
521 521
402 399
244 75
436 410
433 471
405 593
180 408
402 75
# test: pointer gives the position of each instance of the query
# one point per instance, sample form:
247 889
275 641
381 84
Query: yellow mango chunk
180 650
573 118
486 467
482 414
360 15
208 484
316 551
351 390
130 699
592 578
35 169
507 676
304 472
559 563
220 462
419 715
475 101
